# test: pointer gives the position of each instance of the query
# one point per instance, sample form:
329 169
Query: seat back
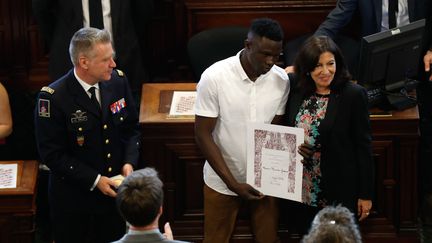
212 45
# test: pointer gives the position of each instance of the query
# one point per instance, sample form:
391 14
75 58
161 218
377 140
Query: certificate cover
118 180
273 164
182 104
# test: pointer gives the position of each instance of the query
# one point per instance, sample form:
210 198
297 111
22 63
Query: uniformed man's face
101 62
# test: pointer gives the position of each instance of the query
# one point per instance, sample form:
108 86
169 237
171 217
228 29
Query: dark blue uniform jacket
78 142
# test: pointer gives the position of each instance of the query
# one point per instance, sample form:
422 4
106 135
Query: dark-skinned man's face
263 53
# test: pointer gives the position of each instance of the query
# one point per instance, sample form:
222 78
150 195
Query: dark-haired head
308 58
262 47
139 198
265 27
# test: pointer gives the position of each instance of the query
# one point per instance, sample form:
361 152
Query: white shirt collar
240 68
402 16
106 14
242 72
85 85
143 232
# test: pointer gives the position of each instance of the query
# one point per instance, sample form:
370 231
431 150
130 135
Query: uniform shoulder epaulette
120 72
48 89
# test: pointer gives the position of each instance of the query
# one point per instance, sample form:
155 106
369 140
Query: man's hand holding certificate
118 179
274 165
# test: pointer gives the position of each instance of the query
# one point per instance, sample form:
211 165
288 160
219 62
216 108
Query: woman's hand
427 59
363 208
289 69
127 169
306 150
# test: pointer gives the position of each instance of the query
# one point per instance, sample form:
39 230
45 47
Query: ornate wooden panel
5 38
24 61
296 17
17 205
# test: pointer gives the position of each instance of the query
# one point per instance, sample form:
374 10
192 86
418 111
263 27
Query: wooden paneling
21 51
296 17
5 38
24 62
17 205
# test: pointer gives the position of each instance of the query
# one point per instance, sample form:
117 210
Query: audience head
262 46
333 224
308 64
140 197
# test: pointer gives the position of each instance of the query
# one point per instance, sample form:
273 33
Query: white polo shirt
225 92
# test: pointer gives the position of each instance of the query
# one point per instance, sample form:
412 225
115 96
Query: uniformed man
87 132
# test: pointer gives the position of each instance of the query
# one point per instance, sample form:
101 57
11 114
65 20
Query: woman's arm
363 138
5 114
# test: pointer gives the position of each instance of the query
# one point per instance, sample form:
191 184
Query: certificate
273 164
118 180
182 104
8 175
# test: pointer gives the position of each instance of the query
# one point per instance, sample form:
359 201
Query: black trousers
87 227
424 97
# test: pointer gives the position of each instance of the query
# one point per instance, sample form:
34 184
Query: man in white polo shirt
244 88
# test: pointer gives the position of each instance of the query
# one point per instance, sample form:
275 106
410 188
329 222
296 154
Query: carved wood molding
192 5
296 17
382 220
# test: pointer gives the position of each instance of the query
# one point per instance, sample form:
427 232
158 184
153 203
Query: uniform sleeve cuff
96 182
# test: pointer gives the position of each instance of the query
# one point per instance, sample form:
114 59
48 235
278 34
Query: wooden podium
17 205
156 102
169 146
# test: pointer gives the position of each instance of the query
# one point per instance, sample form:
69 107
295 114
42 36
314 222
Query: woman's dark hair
308 57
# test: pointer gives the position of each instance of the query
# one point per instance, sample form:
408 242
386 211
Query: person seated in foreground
335 224
139 201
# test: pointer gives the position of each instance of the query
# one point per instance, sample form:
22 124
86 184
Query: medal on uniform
80 140
117 106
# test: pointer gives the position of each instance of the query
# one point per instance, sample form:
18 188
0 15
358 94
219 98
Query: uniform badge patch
78 116
44 108
118 105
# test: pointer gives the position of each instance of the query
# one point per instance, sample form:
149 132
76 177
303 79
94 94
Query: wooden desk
395 149
169 146
156 102
17 205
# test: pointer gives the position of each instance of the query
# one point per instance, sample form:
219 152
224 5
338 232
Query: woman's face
324 72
